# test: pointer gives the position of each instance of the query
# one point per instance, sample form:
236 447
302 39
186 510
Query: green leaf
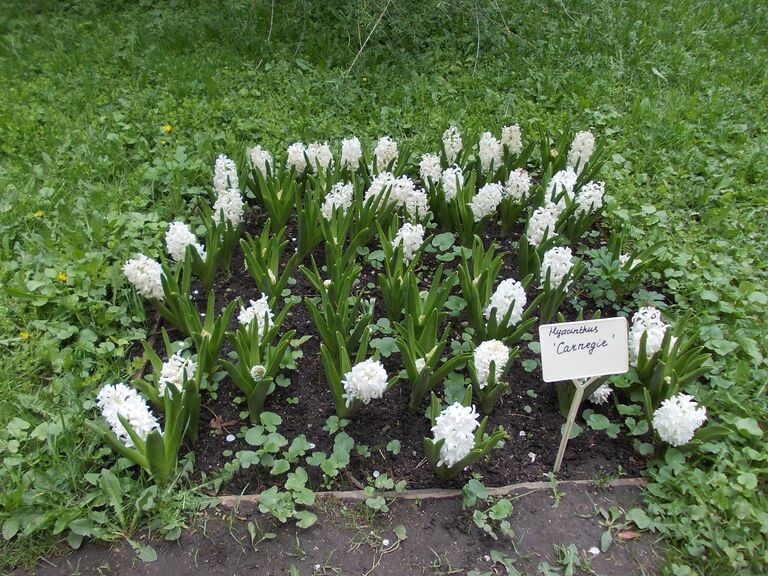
394 447
605 541
279 467
748 426
443 241
639 517
400 532
305 518
270 420
10 528
748 480
146 553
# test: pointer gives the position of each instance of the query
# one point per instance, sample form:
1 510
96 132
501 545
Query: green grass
677 92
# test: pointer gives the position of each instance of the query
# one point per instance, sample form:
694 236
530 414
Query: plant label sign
584 349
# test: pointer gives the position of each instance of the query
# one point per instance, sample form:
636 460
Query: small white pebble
195 292
317 567
376 474
532 456
294 239
594 550
487 558
230 437
311 445
522 433
385 542
202 314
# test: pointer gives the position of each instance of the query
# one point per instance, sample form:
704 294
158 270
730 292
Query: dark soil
349 540
529 413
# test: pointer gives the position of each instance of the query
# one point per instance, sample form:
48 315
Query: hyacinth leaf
157 459
308 215
109 438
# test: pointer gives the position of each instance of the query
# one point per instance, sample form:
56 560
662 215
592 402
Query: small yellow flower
61 277
365 78
554 152
163 142
39 213
167 128
24 335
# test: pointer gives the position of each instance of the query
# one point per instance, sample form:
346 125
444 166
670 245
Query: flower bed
372 325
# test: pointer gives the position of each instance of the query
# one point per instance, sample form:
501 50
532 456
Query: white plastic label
584 349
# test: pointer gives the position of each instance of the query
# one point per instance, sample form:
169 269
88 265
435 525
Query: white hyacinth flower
509 293
600 395
491 152
351 152
177 238
420 364
678 418
486 201
581 150
543 222
411 237
624 258
385 152
512 139
402 193
518 184
430 169
456 425
562 181
590 198
258 311
229 204
225 174
296 158
319 154
120 400
648 321
176 370
452 144
381 183
490 351
366 381
145 275
260 158
558 262
452 179
340 197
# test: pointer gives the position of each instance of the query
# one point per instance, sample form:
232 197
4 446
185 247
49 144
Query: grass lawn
88 177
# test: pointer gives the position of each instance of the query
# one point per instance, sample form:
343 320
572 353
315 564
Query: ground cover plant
114 117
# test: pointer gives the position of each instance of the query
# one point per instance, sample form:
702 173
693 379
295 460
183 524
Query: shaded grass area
88 176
